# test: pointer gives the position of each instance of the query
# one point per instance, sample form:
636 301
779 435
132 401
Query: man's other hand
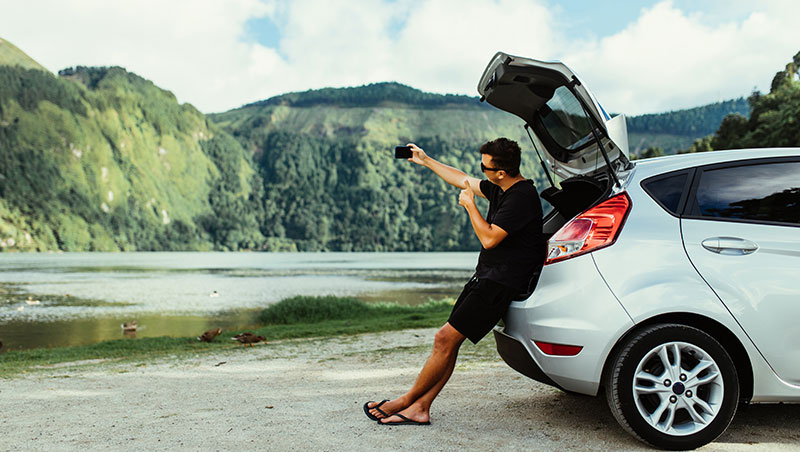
418 156
466 197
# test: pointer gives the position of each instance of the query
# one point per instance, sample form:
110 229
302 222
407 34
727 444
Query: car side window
667 190
768 192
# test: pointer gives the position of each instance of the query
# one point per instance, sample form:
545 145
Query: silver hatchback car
672 285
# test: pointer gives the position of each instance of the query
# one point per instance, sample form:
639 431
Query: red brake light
558 349
595 228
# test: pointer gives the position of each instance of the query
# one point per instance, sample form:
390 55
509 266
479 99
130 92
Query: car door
741 230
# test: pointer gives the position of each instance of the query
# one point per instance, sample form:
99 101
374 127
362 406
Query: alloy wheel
678 388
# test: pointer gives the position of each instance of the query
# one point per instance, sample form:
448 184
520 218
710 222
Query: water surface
80 298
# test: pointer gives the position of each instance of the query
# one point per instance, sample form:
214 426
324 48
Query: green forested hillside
330 181
676 130
101 159
330 178
376 94
696 121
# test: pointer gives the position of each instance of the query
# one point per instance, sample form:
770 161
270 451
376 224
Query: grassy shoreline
293 318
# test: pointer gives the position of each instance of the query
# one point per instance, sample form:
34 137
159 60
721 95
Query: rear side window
668 190
768 192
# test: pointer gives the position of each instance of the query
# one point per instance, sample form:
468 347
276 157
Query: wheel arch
718 331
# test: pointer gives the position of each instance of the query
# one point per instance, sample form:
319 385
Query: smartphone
402 152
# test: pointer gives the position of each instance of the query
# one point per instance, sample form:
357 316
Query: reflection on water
26 335
84 297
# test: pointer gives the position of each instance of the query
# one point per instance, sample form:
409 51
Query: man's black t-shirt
518 211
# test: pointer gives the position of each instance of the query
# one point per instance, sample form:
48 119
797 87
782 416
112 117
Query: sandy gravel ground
306 395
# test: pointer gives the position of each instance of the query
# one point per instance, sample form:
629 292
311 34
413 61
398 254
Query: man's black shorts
480 306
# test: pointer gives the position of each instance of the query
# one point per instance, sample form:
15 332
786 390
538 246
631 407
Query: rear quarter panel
648 271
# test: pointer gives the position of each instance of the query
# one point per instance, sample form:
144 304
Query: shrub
305 309
308 309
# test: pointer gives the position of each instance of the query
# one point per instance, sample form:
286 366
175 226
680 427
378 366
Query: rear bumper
518 358
573 306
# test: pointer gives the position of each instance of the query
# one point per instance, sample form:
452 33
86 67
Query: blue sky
604 18
636 56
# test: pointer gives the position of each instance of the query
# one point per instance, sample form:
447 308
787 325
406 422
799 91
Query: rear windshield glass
565 121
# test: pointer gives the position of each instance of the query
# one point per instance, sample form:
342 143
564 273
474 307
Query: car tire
672 386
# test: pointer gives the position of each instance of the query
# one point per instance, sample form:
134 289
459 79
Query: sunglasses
485 168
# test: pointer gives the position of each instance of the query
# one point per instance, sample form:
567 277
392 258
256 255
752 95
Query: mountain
102 159
672 131
330 180
10 55
677 130
385 94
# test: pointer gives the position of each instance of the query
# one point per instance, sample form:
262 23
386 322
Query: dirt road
306 395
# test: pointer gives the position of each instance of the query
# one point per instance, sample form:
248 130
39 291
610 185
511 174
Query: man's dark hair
505 155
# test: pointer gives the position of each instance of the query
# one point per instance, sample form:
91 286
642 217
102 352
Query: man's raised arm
452 176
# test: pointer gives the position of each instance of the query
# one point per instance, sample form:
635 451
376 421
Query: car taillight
595 228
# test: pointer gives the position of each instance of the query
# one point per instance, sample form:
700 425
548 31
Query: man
512 254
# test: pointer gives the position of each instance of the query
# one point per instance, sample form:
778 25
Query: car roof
659 165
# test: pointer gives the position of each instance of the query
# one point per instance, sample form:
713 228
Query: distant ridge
671 131
372 95
10 55
694 122
697 121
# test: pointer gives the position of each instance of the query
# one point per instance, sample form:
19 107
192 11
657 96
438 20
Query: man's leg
420 409
431 379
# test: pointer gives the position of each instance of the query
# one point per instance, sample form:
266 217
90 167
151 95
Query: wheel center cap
678 388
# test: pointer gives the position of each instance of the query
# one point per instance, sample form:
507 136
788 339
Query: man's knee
447 338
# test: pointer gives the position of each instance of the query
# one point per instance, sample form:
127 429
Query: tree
652 152
774 119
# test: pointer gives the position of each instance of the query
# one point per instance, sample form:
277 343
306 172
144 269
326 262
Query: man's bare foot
411 415
390 407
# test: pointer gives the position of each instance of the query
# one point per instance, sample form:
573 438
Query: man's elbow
493 238
490 242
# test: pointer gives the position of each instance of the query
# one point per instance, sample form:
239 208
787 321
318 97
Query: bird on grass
249 339
129 326
209 335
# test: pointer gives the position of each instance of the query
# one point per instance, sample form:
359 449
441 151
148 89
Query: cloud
199 50
447 43
202 51
192 48
668 59
437 45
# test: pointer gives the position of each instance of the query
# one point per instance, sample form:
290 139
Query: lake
56 299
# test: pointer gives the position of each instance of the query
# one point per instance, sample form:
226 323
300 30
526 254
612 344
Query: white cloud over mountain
665 59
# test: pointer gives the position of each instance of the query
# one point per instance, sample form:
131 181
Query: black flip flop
376 407
405 421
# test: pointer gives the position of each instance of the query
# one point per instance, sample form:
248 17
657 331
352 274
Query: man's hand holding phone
411 152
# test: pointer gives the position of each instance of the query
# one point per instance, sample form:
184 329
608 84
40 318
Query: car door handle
732 246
